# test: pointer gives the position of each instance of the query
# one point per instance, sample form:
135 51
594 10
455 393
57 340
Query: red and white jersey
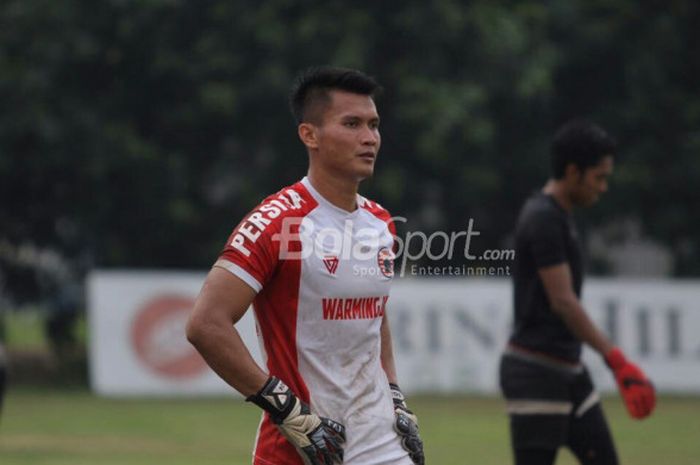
323 276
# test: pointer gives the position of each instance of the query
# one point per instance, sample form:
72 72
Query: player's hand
636 390
406 426
318 440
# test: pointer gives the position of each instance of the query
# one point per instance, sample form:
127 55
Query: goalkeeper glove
407 426
636 390
318 440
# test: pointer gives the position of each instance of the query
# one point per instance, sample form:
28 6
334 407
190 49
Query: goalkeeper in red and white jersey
316 261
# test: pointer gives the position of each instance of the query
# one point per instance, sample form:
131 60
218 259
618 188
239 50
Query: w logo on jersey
331 263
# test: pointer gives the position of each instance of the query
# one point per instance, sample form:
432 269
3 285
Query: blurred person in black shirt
550 397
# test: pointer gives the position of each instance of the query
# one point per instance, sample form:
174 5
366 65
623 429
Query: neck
557 190
340 192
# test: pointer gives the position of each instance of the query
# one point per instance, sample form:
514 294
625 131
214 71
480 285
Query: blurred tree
138 132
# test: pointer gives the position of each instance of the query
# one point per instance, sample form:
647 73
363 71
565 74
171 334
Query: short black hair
581 143
312 87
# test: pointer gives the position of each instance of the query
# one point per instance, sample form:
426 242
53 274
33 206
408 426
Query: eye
351 124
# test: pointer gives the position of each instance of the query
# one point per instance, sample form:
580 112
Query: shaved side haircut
310 93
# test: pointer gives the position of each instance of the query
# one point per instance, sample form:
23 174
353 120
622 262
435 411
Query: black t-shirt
545 235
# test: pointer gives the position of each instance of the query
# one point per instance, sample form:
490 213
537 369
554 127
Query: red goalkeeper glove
636 390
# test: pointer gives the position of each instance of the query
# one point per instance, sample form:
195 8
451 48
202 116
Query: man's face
348 137
589 185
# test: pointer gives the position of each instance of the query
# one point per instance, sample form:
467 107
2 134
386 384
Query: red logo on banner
331 264
158 338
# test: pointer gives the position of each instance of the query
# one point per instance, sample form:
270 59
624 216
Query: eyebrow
357 117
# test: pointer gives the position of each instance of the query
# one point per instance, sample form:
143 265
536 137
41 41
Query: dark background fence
137 133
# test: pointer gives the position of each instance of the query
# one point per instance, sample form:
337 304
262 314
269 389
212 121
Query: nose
604 186
370 136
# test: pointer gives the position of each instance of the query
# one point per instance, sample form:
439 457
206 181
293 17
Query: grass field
76 428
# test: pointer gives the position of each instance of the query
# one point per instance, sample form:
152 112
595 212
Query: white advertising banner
137 335
448 334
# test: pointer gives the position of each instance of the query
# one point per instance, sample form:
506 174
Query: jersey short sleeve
250 255
253 251
546 240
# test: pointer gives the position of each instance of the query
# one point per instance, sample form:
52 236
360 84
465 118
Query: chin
364 173
590 202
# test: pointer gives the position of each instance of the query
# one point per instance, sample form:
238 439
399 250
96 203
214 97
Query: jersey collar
322 200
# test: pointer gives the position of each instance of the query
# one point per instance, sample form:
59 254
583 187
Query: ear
571 172
308 135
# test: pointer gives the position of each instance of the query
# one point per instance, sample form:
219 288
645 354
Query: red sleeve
267 235
250 252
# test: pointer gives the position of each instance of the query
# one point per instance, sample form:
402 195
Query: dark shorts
544 399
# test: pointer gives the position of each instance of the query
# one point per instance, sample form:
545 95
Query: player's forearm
222 348
577 321
387 352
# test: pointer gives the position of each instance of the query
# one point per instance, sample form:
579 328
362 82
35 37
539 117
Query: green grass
76 428
25 330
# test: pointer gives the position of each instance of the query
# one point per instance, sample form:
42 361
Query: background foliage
136 133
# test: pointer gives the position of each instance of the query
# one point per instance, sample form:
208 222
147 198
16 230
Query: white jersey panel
344 288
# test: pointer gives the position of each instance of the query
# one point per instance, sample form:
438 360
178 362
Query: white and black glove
407 426
318 440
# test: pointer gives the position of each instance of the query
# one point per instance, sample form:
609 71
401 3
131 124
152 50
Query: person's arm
636 390
406 424
223 300
556 280
387 352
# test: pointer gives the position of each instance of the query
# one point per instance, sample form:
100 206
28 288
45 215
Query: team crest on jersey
385 260
331 263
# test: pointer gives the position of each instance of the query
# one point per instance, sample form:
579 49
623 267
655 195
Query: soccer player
549 395
316 261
